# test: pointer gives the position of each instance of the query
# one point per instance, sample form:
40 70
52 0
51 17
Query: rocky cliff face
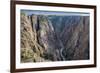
76 40
54 38
30 48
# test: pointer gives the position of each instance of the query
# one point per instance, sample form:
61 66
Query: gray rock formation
76 40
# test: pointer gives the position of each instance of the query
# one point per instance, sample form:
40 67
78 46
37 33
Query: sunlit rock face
54 38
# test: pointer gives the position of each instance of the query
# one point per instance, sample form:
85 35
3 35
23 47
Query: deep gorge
54 38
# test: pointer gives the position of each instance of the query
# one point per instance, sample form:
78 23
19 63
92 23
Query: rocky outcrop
37 39
49 40
54 38
30 48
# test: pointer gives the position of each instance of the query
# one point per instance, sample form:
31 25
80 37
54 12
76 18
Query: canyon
47 38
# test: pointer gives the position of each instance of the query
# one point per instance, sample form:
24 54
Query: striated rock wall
77 40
